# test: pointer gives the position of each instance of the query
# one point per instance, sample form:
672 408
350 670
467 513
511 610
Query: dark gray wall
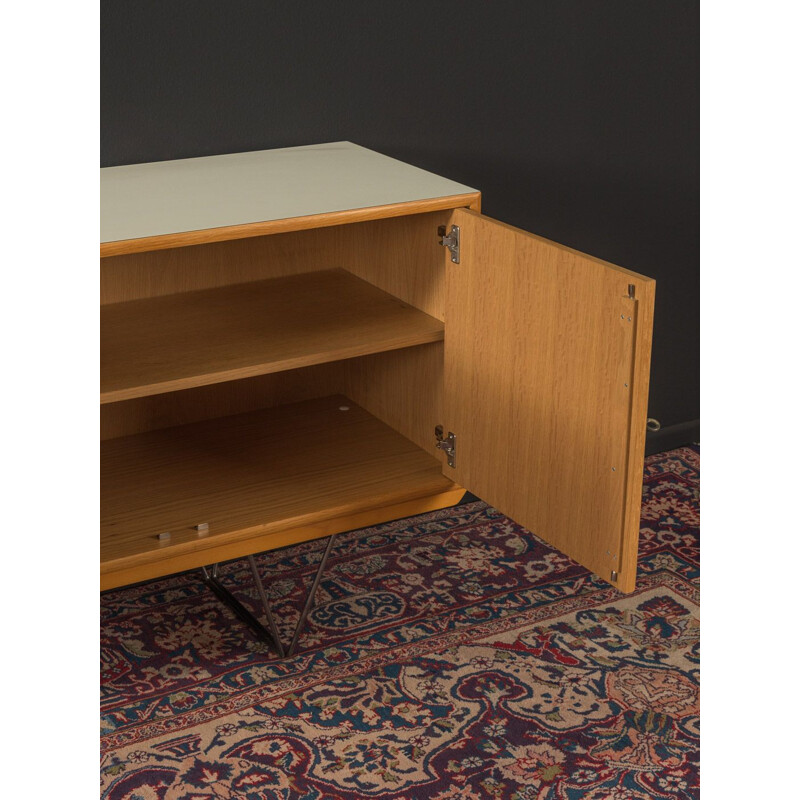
578 121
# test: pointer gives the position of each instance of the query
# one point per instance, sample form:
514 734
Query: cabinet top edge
212 198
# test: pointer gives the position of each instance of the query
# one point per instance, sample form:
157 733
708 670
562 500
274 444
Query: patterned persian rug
451 655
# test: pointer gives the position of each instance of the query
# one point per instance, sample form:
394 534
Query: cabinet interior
225 371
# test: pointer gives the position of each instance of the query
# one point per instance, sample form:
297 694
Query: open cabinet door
547 359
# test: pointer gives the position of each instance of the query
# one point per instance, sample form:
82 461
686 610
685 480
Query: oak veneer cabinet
289 351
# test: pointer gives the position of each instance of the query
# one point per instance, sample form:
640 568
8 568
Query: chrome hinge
614 575
451 241
447 444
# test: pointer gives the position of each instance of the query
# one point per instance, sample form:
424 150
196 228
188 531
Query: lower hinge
451 241
448 444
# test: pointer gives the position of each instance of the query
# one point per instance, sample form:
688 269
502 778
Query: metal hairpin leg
310 598
273 628
269 635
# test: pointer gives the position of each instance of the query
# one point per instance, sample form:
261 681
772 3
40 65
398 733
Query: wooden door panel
546 374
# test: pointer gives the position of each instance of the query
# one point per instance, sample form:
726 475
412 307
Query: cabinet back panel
185 269
219 400
400 255
402 388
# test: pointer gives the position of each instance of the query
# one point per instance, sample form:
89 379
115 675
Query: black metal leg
273 628
310 599
212 581
269 635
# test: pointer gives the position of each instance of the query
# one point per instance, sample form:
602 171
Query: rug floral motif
451 656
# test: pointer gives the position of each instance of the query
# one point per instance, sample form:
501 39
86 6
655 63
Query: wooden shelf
260 480
163 344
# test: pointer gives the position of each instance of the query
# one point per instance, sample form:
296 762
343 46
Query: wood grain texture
544 376
181 341
186 269
263 479
171 409
189 238
171 562
403 389
642 306
401 256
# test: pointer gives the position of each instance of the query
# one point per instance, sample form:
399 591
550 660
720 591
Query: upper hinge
451 241
448 444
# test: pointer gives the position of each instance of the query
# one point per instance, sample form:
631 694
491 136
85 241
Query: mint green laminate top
193 194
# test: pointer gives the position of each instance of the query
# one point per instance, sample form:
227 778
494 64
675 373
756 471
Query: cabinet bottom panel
192 495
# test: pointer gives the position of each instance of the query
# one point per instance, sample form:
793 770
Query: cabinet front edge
192 555
167 241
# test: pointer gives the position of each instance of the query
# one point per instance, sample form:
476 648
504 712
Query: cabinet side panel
403 389
401 256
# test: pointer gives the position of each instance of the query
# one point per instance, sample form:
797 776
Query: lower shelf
258 481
